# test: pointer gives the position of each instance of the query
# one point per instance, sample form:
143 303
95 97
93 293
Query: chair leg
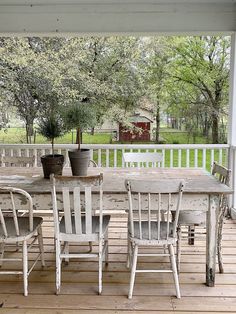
128 261
107 250
40 239
25 267
174 269
100 259
58 266
67 250
2 248
178 249
133 271
90 246
191 231
219 241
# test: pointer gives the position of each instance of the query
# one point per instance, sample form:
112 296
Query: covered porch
152 294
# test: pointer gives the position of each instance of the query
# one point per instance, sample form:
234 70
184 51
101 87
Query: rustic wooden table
201 191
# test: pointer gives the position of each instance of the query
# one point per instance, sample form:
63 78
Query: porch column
232 122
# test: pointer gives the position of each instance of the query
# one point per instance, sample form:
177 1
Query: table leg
211 239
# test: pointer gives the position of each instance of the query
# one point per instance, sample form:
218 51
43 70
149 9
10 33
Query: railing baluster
179 158
163 154
212 156
195 157
107 158
187 158
122 160
220 156
99 157
35 158
171 158
115 158
204 158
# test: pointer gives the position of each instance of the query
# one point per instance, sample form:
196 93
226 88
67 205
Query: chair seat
24 231
192 218
154 228
95 224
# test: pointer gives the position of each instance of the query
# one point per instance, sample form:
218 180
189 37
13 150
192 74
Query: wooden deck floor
153 293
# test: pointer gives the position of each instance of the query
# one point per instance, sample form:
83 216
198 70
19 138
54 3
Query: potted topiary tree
52 127
80 116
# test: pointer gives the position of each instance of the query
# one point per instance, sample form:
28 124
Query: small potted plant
52 127
80 116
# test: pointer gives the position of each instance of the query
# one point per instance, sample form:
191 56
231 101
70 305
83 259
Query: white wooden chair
135 159
15 229
147 199
17 161
92 163
192 218
79 222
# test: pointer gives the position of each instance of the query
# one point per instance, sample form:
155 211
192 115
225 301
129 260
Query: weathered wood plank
187 290
84 302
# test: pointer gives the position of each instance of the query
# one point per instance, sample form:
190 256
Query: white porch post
232 121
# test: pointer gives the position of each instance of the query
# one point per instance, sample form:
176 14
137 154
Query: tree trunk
78 137
215 115
29 131
158 124
206 125
53 146
215 129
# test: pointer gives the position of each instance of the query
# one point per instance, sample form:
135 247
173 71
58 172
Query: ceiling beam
57 17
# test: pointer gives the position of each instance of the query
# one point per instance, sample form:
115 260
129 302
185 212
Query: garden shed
140 132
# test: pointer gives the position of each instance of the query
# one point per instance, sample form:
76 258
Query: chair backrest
92 163
142 159
77 204
149 199
17 161
222 173
14 211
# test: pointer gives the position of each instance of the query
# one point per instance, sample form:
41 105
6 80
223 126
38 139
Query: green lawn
17 136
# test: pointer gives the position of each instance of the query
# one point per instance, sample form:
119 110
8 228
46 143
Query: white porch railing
110 155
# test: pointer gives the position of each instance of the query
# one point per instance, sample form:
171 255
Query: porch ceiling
60 17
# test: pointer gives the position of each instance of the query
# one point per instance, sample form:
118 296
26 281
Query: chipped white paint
212 222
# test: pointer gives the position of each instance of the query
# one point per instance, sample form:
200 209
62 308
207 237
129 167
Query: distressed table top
196 180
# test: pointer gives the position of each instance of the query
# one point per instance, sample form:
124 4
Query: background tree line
185 79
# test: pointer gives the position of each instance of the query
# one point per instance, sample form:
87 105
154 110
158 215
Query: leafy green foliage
184 78
80 115
51 127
